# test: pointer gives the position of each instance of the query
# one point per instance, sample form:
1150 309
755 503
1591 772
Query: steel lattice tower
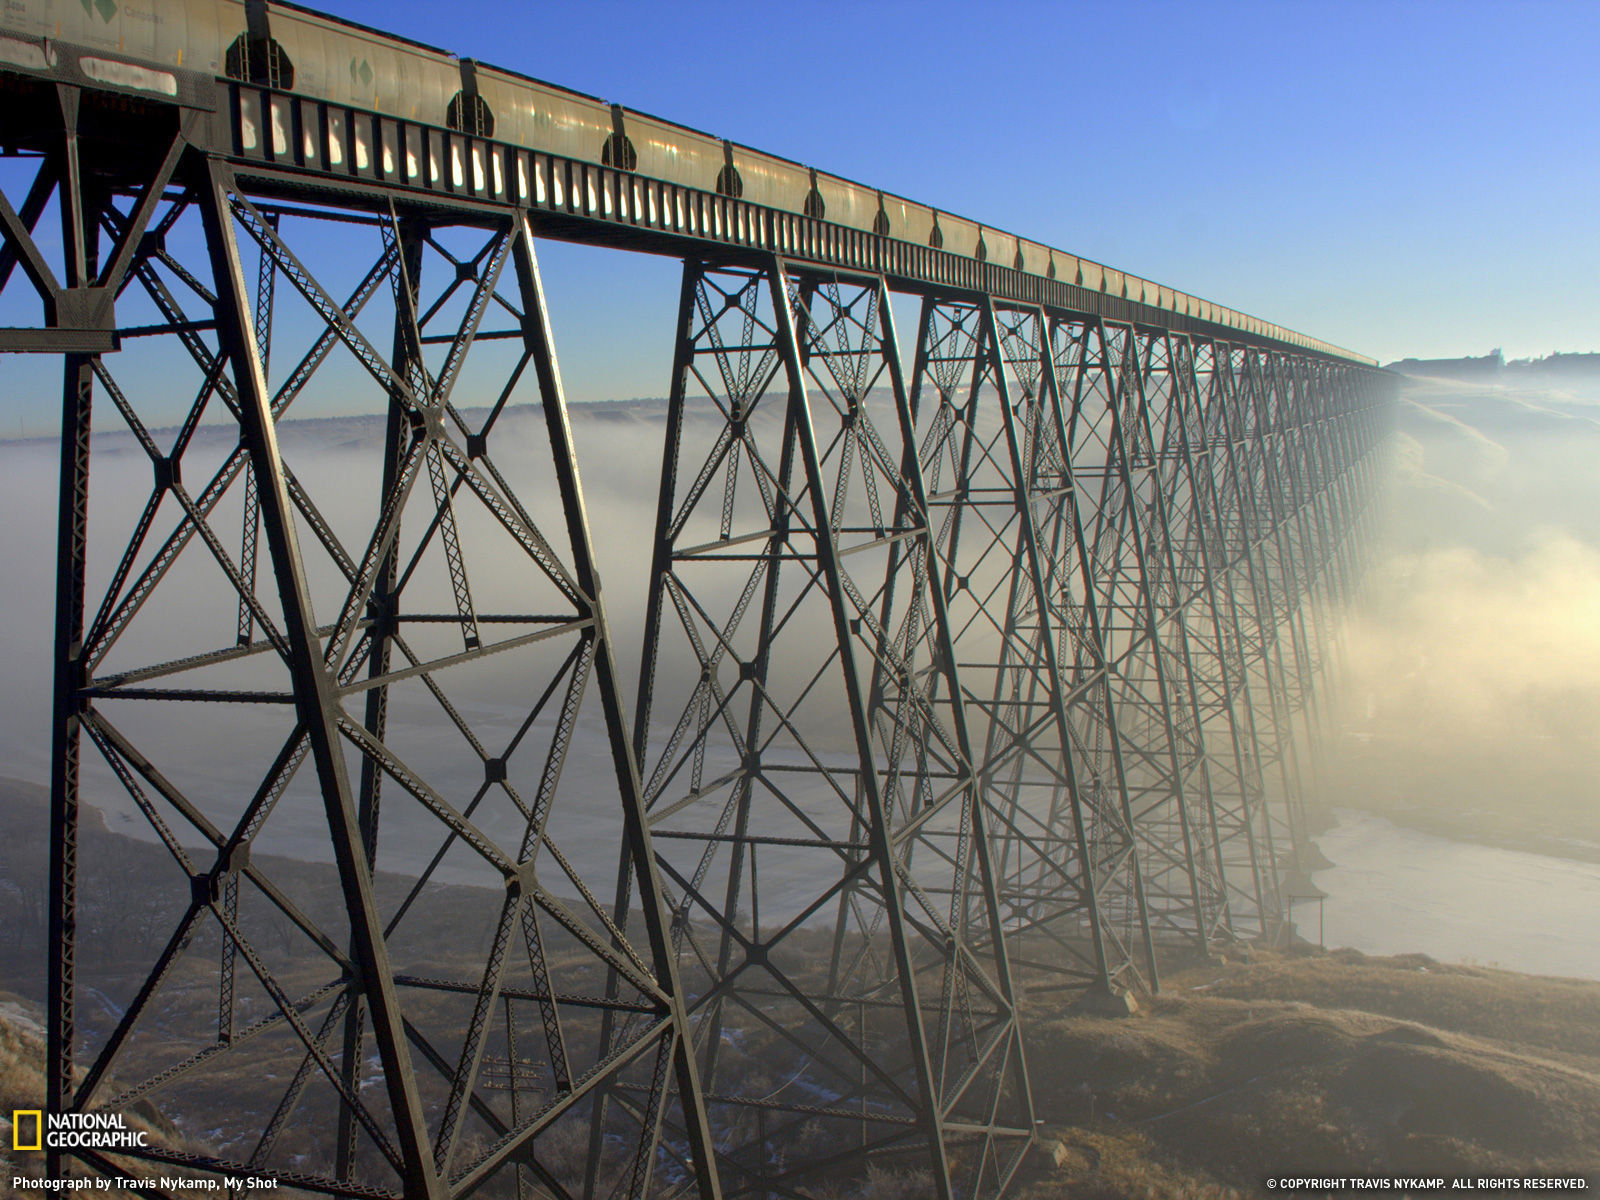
817 719
988 675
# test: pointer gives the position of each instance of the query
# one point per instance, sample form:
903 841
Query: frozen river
1394 890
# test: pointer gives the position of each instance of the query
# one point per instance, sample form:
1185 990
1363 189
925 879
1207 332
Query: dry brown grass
22 1087
1326 1065
1335 1063
1538 1014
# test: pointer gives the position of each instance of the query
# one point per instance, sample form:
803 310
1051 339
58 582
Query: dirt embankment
1336 1065
22 1087
1332 1065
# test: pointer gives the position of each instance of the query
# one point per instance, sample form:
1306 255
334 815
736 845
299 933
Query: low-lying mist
217 754
1465 701
1468 702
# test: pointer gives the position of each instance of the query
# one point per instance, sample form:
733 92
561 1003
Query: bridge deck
682 192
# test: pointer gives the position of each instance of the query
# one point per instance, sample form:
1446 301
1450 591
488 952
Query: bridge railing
971 683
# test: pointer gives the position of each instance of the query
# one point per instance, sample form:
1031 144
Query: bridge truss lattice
991 662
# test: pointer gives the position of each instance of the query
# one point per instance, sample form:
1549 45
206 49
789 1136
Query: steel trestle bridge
995 662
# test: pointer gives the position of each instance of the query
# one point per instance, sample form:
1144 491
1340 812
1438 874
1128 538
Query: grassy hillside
1320 1065
22 1087
1323 1064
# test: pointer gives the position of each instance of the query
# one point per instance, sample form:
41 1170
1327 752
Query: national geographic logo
19 1140
33 1129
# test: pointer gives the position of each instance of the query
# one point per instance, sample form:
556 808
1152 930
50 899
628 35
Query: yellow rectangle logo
16 1128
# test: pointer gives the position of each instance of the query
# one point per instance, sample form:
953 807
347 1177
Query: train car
1036 259
958 235
288 49
846 203
194 36
772 181
662 150
908 220
527 113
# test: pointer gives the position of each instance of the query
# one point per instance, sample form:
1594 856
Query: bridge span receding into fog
955 683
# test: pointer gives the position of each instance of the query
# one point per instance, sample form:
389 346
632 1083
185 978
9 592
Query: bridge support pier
801 721
367 604
1016 576
1007 663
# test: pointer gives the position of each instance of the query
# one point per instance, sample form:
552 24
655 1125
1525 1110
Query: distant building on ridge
1476 369
1494 365
1558 364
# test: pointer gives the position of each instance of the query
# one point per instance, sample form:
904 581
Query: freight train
289 50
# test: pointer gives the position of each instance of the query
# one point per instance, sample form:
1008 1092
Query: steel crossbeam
822 731
383 1091
968 685
1030 637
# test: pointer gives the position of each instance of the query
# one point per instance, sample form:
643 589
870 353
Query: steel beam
1005 672
829 741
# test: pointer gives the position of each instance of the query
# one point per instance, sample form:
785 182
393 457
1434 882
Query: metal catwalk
977 677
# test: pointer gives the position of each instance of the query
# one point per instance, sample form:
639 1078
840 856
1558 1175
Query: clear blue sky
1400 178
